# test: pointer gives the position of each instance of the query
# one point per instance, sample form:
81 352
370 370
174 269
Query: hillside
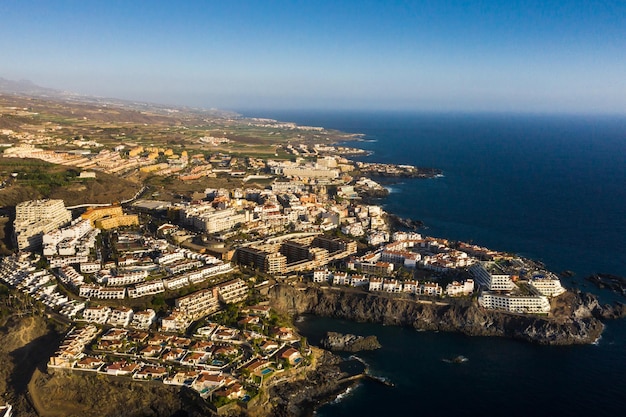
26 340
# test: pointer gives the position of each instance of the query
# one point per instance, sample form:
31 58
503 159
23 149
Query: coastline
581 323
540 336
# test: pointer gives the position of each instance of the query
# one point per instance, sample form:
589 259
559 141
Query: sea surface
552 188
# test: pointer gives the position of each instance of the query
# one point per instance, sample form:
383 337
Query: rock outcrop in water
579 323
349 342
615 283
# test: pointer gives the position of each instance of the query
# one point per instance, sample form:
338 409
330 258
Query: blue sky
529 56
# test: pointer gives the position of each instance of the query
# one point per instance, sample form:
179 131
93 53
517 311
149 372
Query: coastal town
175 290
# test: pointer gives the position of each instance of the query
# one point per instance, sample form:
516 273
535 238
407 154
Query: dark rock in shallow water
398 222
615 283
349 342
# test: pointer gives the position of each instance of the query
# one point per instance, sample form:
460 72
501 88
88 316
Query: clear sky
500 55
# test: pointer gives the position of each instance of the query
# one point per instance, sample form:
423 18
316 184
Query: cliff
578 324
87 394
26 342
298 397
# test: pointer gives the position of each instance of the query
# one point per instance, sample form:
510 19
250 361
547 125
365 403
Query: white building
340 278
232 291
430 288
177 321
514 303
199 303
77 230
120 317
376 284
72 308
34 218
90 267
89 291
176 282
67 260
491 281
359 280
127 278
112 293
549 286
456 289
169 257
146 288
411 286
69 276
392 285
98 315
207 219
143 319
322 275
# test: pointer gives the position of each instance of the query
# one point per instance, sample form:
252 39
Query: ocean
552 188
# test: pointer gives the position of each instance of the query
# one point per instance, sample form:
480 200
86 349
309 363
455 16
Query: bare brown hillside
25 342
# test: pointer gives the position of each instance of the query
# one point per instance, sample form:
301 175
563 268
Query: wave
356 358
343 395
597 341
456 359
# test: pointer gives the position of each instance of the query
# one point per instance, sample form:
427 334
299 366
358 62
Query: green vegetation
228 316
44 180
221 401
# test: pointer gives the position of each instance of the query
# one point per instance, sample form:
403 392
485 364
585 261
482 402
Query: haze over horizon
510 56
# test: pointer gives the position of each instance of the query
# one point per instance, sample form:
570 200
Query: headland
178 246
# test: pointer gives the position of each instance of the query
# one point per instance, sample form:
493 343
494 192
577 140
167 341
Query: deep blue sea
552 188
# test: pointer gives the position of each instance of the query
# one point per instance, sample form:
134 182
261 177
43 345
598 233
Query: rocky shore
298 398
400 223
576 318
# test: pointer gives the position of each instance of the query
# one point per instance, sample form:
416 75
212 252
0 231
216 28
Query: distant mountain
27 87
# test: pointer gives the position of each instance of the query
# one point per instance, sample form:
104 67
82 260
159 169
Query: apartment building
514 303
199 303
333 245
207 219
232 291
120 316
143 319
34 218
146 288
98 315
270 262
549 286
492 281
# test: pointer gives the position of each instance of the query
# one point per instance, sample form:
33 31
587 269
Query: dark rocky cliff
465 317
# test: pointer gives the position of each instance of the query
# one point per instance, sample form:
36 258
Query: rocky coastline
401 223
298 398
576 318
